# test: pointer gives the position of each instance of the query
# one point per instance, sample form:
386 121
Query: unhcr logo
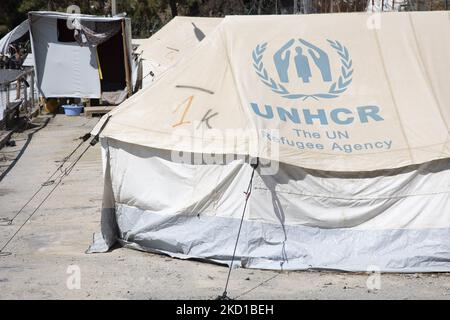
303 59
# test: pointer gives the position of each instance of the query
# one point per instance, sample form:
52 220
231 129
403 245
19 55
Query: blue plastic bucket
72 109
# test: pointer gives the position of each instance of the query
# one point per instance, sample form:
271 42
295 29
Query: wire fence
330 6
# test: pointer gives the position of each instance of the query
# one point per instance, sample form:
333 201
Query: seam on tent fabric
184 215
187 149
235 84
108 180
179 214
392 94
110 159
356 198
428 79
311 152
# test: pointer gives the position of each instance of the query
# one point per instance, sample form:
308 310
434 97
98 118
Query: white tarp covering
172 42
12 36
62 69
379 198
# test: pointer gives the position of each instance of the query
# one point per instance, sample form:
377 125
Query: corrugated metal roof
10 75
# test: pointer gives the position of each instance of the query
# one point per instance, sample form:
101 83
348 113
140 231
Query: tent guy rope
224 295
48 181
64 173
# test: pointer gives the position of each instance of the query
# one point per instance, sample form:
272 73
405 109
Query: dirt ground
47 259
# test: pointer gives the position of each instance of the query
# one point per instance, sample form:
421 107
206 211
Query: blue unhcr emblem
282 61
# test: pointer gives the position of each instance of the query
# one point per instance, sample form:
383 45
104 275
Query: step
90 111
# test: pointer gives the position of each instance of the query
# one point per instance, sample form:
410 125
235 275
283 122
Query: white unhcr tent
175 40
351 126
81 56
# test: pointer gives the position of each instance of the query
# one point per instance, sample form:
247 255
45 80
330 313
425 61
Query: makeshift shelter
351 128
22 69
176 39
81 56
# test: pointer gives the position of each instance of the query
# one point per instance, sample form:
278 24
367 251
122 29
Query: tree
9 16
173 7
147 16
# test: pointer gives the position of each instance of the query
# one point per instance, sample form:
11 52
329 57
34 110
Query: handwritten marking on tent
196 88
186 109
188 102
206 118
173 49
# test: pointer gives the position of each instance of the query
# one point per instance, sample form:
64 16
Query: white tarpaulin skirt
394 220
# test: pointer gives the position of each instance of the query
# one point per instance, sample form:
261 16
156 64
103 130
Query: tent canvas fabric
66 69
350 124
173 41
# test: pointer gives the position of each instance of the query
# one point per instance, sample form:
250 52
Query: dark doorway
111 64
64 33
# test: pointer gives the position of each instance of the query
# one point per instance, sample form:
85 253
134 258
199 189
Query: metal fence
329 6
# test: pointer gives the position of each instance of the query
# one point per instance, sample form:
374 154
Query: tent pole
125 60
25 94
113 8
32 90
18 91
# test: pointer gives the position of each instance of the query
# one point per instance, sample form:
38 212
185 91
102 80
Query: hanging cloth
103 31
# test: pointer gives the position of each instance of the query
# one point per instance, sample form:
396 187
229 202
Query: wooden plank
90 111
11 115
4 137
126 60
